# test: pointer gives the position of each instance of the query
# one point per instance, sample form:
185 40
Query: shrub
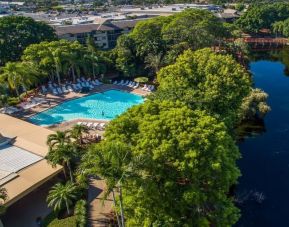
12 101
80 213
52 221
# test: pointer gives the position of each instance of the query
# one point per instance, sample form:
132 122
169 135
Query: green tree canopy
205 80
263 16
61 59
184 164
167 37
17 33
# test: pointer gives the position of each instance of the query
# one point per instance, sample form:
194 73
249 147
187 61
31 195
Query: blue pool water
112 103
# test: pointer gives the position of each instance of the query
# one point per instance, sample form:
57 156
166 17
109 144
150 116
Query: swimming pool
102 106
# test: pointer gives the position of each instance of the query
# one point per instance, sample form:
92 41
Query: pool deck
53 100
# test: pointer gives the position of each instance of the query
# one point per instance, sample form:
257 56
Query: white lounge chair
98 82
69 88
101 126
136 85
9 110
148 88
50 86
144 87
59 90
89 124
115 82
130 84
126 83
95 125
64 89
121 82
54 91
44 90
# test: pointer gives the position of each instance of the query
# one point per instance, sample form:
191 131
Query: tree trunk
121 207
67 207
73 74
93 71
58 77
64 170
70 172
114 203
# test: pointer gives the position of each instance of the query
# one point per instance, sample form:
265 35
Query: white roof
13 159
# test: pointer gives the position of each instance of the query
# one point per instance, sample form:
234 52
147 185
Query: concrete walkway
99 210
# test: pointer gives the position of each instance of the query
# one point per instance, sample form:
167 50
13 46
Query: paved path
98 209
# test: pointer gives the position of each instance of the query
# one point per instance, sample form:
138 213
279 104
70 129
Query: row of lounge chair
92 125
127 83
35 101
134 85
70 87
148 87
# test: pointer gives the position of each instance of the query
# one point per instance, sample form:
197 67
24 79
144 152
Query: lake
264 186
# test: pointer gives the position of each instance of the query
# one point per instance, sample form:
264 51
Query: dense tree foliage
20 75
254 105
281 27
64 59
263 16
17 33
176 169
166 38
206 80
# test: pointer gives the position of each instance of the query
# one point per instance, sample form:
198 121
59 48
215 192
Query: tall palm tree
90 63
111 161
77 132
154 62
59 138
62 196
73 63
62 154
57 59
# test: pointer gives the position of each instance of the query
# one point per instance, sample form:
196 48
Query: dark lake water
265 158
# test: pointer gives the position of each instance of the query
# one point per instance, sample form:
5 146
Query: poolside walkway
98 209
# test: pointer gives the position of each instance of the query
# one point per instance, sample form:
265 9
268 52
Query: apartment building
104 33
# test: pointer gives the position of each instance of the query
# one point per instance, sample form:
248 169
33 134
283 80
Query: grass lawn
52 221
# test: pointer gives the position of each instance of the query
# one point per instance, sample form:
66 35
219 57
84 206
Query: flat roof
29 136
22 164
29 179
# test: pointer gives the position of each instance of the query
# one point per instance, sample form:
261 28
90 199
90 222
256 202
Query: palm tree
57 59
77 132
30 74
19 73
154 62
74 63
59 138
62 195
111 161
62 154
